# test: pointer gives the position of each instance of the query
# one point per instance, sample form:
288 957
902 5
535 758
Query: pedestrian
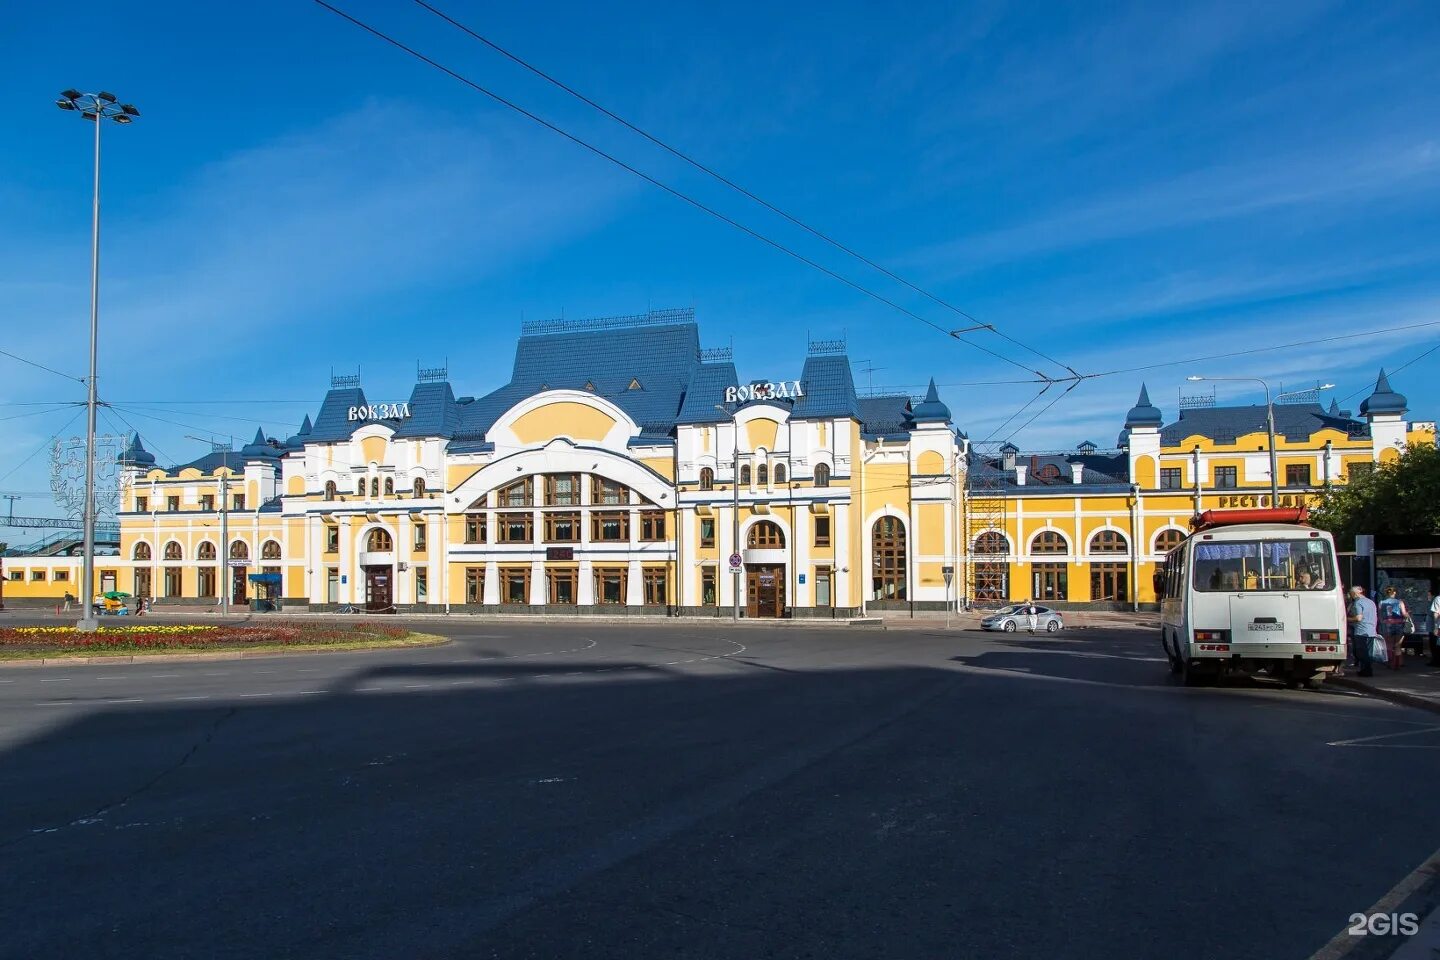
1362 616
69 599
1393 615
1434 628
1032 616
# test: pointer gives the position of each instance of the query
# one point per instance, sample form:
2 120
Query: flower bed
140 637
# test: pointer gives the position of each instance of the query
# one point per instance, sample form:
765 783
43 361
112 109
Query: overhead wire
41 366
697 204
721 178
1402 366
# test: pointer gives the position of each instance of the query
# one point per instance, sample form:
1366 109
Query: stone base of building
910 606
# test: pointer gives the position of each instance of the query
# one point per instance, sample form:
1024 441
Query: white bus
1252 591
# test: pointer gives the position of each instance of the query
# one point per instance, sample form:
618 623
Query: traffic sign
735 563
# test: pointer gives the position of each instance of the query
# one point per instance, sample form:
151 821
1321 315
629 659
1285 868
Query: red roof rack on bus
1226 518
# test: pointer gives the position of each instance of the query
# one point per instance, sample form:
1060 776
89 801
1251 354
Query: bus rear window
1250 565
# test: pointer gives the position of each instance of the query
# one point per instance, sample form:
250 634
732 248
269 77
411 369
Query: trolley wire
697 204
721 178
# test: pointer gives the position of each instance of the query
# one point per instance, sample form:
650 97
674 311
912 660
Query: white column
840 585
491 593
634 586
349 590
537 582
585 590
804 537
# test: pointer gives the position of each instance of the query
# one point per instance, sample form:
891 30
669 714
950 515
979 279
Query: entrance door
379 590
142 581
764 591
238 580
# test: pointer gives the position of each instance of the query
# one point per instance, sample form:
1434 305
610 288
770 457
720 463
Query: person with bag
1363 634
1393 619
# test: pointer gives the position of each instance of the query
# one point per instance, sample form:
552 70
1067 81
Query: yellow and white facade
623 469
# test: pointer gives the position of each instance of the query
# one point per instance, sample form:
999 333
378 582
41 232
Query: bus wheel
1176 664
1190 676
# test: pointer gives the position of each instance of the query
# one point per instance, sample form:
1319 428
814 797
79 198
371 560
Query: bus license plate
1267 626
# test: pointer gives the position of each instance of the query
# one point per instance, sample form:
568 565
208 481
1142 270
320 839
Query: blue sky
1116 184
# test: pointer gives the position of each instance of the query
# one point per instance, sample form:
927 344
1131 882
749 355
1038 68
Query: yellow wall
761 432
564 418
930 462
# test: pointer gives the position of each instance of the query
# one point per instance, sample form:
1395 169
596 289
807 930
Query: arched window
1108 541
330 490
270 550
360 488
707 478
762 475
779 473
887 551
239 550
379 541
1048 472
992 543
822 475
745 475
374 486
172 551
389 486
765 535
417 489
206 551
142 551
1168 540
1048 541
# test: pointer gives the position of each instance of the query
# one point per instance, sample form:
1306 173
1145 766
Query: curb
213 655
1394 696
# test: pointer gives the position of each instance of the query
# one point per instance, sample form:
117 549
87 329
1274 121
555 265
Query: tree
1401 497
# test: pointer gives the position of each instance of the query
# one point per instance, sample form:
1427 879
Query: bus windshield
1243 565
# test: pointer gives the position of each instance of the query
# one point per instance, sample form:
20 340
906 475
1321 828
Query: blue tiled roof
884 415
707 388
829 388
334 421
1144 413
1294 421
1384 399
1100 470
136 453
433 412
210 463
931 409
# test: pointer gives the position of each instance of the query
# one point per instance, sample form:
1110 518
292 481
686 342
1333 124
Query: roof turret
136 455
259 448
1144 413
1383 400
298 441
931 410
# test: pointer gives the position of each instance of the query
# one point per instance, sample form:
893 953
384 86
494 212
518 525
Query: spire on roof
259 448
931 409
136 454
1144 413
1384 399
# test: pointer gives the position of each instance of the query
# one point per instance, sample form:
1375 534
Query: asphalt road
599 790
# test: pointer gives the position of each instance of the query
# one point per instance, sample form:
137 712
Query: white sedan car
1014 617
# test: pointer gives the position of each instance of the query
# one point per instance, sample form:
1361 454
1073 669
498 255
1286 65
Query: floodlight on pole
95 107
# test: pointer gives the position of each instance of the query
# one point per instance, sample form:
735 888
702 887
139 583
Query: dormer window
634 384
590 385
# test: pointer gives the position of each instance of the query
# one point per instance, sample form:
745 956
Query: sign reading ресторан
764 390
380 411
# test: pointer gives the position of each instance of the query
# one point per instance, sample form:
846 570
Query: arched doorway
765 576
887 560
379 574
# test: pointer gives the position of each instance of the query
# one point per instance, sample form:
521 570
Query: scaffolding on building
987 570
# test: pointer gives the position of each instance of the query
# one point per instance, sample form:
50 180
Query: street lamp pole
95 107
1269 421
734 511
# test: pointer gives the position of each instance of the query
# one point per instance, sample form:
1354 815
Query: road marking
126 700
193 698
163 676
53 679
1371 741
417 686
1343 942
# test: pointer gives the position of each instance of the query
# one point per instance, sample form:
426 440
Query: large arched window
745 475
379 541
887 560
707 478
239 550
1108 541
822 475
330 490
779 473
1048 541
417 489
765 535
1168 540
172 551
992 543
762 475
270 550
142 551
206 551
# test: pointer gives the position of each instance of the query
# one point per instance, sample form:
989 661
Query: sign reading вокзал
764 390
